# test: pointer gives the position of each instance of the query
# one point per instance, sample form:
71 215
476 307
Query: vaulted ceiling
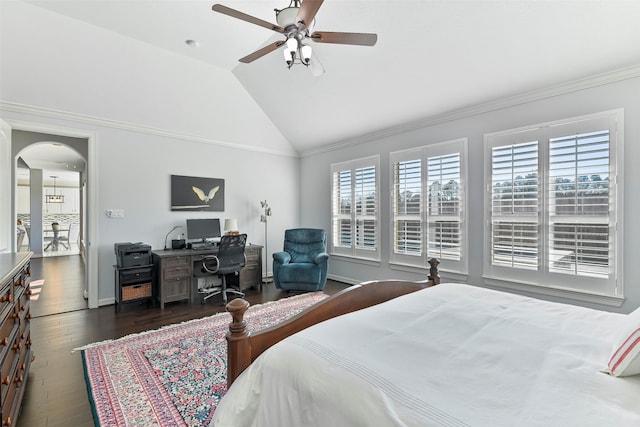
432 57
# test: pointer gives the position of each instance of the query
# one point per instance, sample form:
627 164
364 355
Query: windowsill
366 261
570 294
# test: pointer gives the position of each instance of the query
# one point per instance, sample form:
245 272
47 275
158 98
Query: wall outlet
115 213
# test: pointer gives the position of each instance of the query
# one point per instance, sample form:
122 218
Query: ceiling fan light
287 16
292 45
288 56
305 51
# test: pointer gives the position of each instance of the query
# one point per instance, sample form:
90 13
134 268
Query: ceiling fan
295 22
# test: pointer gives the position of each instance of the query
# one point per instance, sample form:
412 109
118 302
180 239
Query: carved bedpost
238 346
433 271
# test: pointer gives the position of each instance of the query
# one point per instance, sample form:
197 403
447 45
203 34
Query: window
355 193
553 205
428 205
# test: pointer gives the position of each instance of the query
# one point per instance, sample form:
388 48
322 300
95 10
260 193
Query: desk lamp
231 226
167 236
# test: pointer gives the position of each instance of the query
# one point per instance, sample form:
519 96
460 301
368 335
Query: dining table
54 241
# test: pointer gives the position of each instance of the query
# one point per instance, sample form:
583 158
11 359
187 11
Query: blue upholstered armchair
302 266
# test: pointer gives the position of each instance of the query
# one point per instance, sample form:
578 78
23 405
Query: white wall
52 61
315 200
134 172
154 114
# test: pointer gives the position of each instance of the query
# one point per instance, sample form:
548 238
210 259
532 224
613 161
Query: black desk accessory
167 236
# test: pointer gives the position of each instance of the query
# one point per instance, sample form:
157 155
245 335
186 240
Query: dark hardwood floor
63 286
56 393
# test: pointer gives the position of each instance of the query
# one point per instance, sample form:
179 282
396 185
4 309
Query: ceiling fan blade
262 52
315 66
307 12
361 39
248 18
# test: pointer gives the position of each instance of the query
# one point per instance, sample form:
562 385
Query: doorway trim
92 193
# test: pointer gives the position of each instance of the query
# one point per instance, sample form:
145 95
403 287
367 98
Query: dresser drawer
176 273
250 277
136 275
9 367
9 391
8 332
253 258
6 302
176 262
177 289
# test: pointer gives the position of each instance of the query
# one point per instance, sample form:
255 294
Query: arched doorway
89 204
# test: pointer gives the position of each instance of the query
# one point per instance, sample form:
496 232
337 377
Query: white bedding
450 355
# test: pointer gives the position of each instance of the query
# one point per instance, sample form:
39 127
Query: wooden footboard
243 347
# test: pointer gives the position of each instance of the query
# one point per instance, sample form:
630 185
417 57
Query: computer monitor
203 229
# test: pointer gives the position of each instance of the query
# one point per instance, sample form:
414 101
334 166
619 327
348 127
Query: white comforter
451 355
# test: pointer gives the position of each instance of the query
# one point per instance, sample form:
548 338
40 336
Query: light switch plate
115 213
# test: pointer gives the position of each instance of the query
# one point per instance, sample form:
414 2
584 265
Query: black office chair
229 260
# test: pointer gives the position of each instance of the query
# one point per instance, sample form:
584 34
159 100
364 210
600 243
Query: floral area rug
174 376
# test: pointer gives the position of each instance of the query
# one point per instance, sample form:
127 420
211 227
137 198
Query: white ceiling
432 57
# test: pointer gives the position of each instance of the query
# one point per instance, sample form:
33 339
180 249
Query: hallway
57 283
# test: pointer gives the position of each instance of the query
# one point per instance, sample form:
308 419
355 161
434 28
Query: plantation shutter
554 206
355 222
366 208
407 208
444 214
428 205
515 205
581 201
342 202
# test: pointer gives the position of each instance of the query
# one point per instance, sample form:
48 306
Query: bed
445 355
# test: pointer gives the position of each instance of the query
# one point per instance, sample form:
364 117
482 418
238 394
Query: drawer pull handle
29 292
7 422
5 341
17 346
6 381
18 379
7 298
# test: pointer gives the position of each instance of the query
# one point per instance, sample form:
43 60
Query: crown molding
486 107
53 113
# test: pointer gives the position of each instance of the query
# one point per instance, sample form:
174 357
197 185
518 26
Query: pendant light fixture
55 198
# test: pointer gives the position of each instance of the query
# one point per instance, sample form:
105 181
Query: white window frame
542 279
354 250
423 154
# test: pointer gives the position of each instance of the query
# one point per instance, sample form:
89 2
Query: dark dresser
15 333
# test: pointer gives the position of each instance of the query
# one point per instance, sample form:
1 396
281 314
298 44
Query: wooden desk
177 272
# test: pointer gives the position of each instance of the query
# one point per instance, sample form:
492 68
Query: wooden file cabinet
251 273
173 276
15 333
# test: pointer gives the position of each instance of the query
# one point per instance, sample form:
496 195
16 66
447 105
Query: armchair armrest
322 257
282 257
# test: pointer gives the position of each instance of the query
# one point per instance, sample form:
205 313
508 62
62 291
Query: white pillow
625 358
